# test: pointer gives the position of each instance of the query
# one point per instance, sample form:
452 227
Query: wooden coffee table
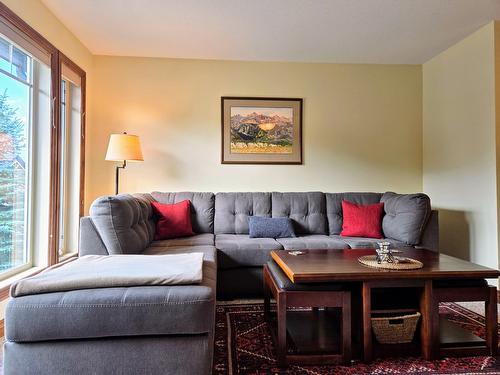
435 339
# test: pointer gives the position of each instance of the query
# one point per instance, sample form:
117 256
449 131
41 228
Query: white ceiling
343 31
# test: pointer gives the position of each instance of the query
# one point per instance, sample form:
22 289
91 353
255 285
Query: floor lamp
123 147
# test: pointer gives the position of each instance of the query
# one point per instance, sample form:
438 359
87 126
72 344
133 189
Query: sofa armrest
124 222
430 236
90 242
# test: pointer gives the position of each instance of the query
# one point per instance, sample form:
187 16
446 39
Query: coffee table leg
429 309
367 323
281 315
346 328
492 321
267 294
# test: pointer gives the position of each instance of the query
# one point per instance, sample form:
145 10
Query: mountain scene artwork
261 130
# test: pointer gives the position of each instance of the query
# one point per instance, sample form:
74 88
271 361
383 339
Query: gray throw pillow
405 216
270 227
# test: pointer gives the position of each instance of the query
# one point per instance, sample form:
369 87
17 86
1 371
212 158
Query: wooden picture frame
261 130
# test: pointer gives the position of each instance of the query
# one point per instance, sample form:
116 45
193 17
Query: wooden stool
464 291
291 295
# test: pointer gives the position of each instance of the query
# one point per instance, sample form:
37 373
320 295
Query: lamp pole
118 175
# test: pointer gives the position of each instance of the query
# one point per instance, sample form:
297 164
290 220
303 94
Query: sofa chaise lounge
169 329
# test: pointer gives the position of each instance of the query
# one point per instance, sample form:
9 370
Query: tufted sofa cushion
334 207
202 208
312 242
365 242
405 216
233 209
202 239
124 222
238 250
307 210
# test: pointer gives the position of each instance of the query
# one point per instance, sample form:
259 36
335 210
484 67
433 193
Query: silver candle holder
384 253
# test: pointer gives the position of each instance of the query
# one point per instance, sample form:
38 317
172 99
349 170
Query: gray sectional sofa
125 224
169 329
317 218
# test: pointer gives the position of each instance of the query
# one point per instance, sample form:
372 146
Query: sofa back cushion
405 216
202 207
233 209
307 210
124 222
334 207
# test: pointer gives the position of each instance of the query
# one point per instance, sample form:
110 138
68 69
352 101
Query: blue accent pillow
270 227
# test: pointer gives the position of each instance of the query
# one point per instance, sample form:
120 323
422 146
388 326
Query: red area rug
243 345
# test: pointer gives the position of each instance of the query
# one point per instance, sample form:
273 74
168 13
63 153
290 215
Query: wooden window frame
64 60
57 58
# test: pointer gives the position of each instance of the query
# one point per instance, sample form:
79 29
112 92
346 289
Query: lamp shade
124 147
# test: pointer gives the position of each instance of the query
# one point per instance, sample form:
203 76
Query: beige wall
459 153
362 125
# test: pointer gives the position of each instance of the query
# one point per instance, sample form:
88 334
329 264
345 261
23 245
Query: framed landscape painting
261 130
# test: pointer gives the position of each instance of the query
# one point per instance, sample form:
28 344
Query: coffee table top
343 265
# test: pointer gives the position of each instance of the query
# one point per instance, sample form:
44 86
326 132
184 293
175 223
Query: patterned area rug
243 345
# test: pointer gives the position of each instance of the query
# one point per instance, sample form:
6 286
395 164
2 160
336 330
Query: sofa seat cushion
209 252
114 312
312 242
365 242
203 239
239 250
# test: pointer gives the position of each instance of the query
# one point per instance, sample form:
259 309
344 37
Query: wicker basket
395 329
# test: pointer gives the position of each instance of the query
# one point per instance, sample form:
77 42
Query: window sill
65 257
5 284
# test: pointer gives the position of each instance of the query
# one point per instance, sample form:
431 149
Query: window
42 128
24 102
15 104
71 137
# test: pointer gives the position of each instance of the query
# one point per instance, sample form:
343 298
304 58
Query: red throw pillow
174 220
362 221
